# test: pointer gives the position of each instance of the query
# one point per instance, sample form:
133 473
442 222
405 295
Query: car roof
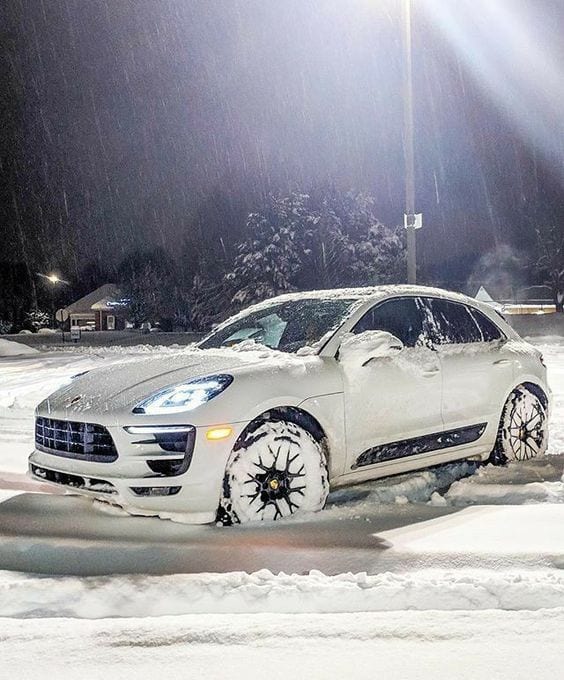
370 293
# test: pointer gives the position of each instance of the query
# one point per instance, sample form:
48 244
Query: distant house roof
97 299
483 296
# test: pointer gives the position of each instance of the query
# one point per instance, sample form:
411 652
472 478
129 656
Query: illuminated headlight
184 397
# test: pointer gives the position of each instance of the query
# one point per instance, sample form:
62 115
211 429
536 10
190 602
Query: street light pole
54 280
410 220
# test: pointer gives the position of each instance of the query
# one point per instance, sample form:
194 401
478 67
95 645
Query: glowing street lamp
54 280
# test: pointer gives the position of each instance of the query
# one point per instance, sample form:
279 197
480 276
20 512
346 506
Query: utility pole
411 220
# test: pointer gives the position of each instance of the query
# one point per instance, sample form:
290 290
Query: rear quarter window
452 323
488 330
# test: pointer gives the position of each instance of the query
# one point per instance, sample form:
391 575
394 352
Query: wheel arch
537 390
291 414
534 387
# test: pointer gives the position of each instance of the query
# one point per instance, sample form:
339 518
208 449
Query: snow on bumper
140 479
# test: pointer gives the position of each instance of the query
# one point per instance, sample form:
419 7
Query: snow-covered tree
149 281
318 240
210 300
269 259
550 262
36 319
5 326
17 293
349 246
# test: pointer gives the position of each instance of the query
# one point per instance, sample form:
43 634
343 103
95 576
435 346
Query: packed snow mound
421 486
540 480
9 348
369 345
24 596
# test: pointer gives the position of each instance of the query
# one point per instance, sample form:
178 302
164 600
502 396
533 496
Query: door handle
501 362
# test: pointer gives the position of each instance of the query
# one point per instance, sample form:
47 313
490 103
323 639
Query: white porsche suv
292 397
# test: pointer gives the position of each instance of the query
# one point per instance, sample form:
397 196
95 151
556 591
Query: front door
393 405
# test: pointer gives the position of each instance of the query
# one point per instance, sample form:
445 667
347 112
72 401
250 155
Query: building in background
528 300
104 309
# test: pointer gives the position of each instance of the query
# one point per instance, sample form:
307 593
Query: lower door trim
424 444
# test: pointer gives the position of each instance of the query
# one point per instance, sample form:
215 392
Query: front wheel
523 430
277 470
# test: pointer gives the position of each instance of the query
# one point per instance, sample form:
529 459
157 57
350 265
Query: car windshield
286 326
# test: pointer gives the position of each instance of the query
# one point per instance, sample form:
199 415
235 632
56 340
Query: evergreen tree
149 281
550 262
36 319
211 300
323 240
270 258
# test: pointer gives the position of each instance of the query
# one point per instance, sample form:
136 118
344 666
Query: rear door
477 369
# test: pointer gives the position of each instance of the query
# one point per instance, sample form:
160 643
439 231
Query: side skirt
418 445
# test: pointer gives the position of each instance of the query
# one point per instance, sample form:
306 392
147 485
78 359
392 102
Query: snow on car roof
366 293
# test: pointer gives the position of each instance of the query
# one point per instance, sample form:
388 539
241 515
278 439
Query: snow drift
237 592
9 348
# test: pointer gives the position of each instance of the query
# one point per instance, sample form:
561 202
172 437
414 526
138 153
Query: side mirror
368 346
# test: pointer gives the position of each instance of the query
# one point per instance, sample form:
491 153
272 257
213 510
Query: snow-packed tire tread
276 470
516 440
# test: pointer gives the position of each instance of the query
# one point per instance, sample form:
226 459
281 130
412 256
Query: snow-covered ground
455 571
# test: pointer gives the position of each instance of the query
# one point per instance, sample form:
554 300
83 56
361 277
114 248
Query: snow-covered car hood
123 385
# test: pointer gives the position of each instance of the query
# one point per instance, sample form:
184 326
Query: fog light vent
169 468
155 490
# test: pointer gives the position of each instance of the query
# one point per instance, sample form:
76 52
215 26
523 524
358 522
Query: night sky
137 122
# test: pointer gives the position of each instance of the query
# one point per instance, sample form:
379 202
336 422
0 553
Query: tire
523 429
276 471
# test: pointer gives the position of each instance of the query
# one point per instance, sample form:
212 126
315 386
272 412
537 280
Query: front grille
85 441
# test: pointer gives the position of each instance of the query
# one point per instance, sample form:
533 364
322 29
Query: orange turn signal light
216 433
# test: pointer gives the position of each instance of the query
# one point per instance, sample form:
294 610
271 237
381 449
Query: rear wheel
523 430
278 470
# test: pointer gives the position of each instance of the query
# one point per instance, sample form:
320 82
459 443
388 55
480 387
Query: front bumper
129 482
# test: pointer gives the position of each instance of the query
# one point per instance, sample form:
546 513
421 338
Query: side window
452 323
401 317
488 329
